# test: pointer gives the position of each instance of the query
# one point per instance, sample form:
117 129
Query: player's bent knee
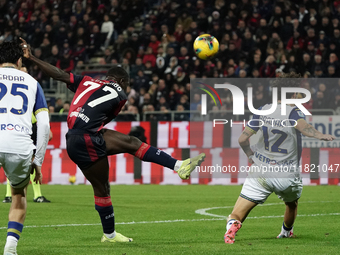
134 143
292 204
102 191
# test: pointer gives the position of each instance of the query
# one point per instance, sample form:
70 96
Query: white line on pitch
172 221
204 212
117 223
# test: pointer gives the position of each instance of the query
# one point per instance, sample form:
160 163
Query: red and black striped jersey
95 103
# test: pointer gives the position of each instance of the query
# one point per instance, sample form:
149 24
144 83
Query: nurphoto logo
238 99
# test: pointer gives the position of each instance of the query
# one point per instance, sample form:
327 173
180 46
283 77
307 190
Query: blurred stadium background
153 41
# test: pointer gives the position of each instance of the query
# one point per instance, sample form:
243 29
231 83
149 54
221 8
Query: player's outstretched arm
243 140
47 68
308 130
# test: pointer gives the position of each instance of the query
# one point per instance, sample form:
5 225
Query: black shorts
85 148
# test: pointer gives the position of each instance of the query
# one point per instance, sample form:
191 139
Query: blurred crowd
153 41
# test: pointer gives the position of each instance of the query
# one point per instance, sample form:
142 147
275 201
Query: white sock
178 165
229 223
285 232
11 244
110 236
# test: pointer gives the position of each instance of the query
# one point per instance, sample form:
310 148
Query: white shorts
257 189
17 168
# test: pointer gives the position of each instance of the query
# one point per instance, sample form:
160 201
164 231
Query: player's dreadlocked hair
291 82
118 72
10 52
120 75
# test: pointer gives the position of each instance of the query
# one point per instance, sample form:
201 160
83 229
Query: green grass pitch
48 228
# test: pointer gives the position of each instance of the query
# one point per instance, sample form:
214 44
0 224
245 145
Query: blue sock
14 229
104 207
151 154
286 228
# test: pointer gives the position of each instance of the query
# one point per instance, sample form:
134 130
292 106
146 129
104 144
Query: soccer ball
72 179
206 46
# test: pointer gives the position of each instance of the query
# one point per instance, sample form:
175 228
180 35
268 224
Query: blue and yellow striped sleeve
40 101
297 115
254 125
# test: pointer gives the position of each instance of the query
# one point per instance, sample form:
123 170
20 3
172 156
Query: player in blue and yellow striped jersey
37 196
20 96
275 160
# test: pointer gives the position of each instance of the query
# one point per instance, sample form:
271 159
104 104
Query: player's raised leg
98 176
117 142
289 219
239 214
